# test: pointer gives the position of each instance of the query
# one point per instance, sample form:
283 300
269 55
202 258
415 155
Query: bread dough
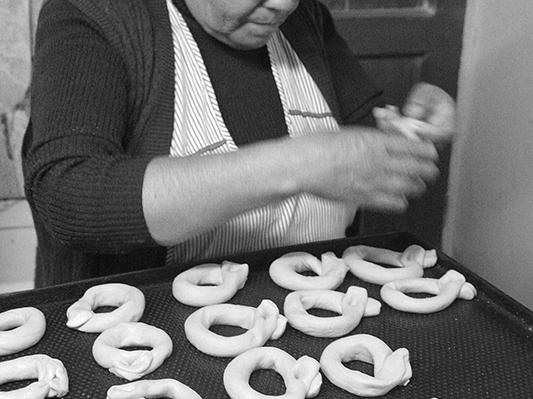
128 300
450 286
263 323
164 388
351 306
221 283
20 329
389 119
131 365
285 271
390 368
302 377
407 264
51 376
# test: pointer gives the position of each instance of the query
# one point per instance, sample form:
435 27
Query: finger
432 104
417 101
415 188
433 133
402 147
390 121
403 186
415 169
385 202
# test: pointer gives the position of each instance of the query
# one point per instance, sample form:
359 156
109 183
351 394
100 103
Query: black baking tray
474 349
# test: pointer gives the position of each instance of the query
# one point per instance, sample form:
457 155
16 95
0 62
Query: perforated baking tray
474 349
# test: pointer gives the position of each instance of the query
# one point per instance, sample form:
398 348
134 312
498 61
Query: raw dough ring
351 306
302 377
129 301
20 328
131 365
330 271
165 388
224 281
263 323
390 368
450 286
409 263
51 375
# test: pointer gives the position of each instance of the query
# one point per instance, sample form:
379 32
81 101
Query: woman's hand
367 167
356 165
431 104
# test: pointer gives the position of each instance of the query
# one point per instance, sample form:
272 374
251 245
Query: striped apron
199 130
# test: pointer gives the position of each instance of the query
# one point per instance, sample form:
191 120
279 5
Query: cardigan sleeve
81 183
356 93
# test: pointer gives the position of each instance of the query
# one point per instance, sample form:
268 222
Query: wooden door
400 42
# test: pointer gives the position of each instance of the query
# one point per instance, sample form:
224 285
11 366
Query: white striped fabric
196 107
200 130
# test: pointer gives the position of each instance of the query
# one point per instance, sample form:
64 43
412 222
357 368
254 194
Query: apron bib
199 130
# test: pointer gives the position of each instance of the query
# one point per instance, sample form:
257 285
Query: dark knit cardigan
102 108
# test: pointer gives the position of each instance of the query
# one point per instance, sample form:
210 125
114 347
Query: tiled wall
17 235
17 243
17 25
362 5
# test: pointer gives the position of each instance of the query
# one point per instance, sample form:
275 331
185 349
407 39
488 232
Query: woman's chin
255 36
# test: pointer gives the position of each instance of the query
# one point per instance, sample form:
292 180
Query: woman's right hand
356 165
364 166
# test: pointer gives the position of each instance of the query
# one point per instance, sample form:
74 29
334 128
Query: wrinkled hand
431 104
367 167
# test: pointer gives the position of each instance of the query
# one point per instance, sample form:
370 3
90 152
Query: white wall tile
17 246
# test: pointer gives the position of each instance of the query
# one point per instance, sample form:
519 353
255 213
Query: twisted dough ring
302 377
222 282
131 365
390 368
20 328
450 286
129 301
409 263
330 271
351 306
165 388
263 323
51 375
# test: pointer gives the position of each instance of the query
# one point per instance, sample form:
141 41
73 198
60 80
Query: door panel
401 42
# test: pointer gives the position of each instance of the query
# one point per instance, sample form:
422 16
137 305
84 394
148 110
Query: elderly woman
180 130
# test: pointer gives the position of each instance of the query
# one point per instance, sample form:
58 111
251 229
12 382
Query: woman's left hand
431 104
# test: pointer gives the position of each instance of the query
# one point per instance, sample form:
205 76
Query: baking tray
474 349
